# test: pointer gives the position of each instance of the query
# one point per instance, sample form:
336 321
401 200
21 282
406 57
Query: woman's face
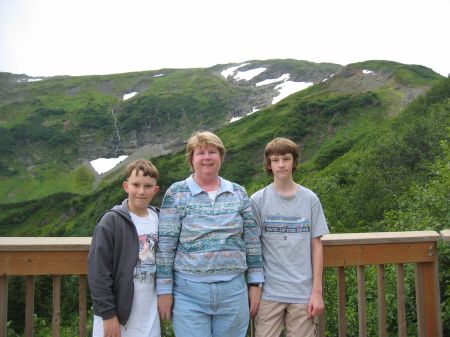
206 160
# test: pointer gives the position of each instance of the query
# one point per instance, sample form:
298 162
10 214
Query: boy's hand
165 302
315 305
254 297
111 327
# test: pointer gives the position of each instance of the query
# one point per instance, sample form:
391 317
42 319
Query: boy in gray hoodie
121 261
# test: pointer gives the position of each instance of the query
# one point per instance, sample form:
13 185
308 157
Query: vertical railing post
381 301
3 304
320 320
427 293
401 302
321 325
342 317
362 306
29 307
82 303
56 311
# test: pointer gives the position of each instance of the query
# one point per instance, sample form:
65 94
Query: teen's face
141 190
206 160
282 165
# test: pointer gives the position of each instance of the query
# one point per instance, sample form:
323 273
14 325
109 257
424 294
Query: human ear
125 186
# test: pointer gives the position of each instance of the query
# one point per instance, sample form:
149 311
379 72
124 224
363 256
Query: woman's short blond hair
278 147
203 138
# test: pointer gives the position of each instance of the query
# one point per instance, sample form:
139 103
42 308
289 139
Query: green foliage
6 142
178 103
425 205
43 308
166 329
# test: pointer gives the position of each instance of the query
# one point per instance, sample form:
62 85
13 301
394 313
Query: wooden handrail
380 237
58 256
445 234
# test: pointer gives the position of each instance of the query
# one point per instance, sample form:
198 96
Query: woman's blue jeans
218 309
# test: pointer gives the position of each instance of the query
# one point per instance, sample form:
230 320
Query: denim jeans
218 309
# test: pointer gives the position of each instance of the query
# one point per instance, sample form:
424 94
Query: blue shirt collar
225 186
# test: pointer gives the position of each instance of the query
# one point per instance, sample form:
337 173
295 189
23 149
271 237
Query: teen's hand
165 302
111 327
315 305
254 297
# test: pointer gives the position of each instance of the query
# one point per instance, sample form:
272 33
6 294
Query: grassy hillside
351 155
50 129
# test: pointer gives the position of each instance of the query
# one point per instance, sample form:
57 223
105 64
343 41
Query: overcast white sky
81 37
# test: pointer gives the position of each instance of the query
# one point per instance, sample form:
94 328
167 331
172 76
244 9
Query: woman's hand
165 302
254 297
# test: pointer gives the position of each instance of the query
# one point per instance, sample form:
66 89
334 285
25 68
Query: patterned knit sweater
205 240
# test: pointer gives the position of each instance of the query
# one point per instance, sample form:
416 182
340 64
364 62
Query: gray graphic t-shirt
288 224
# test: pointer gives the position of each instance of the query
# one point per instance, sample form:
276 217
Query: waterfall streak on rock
116 141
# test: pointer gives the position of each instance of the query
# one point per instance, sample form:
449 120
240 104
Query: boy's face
282 165
141 190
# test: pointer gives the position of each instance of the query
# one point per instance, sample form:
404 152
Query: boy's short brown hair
278 147
142 165
203 138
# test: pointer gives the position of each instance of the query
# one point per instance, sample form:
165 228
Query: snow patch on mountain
30 80
368 72
326 79
282 78
234 119
230 71
129 95
288 88
248 74
102 165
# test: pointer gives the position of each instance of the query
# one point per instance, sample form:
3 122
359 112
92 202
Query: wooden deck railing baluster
362 304
29 306
56 306
401 306
342 319
3 304
82 305
321 325
382 332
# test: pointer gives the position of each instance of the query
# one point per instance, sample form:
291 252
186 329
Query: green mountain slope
363 151
51 129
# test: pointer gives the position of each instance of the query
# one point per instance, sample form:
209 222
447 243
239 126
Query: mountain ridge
57 135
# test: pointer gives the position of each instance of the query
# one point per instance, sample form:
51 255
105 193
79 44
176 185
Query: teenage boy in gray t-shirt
292 222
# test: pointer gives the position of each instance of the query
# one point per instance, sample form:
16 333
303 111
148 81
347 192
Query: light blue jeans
218 309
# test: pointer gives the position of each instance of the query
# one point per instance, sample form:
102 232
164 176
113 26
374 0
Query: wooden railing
33 256
380 249
30 257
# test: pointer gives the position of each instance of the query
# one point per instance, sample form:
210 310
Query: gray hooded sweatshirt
112 257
